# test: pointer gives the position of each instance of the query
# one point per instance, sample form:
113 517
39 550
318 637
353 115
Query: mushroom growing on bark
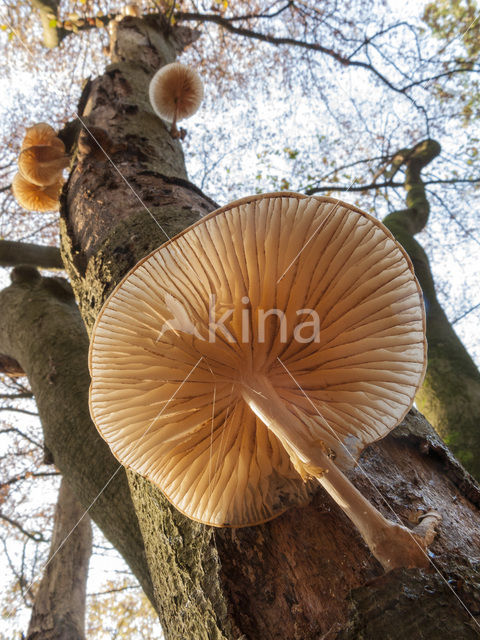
42 165
176 92
263 348
34 197
42 159
42 134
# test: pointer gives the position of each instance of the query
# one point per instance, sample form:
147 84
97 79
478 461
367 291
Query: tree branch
14 253
22 435
36 536
345 60
17 396
59 606
28 413
251 16
48 10
440 75
381 185
463 315
54 31
117 590
41 327
27 476
312 46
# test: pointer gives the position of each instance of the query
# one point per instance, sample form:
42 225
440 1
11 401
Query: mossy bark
450 395
307 574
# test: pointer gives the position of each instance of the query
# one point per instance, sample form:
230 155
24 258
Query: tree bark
59 608
307 574
40 327
15 253
450 395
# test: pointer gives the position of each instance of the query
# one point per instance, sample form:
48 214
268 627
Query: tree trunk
450 395
59 607
306 574
40 327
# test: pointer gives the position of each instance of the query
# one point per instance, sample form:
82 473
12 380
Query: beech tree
306 574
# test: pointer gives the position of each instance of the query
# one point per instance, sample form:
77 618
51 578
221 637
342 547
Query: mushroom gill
263 348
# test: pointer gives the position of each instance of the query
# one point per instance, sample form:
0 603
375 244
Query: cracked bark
307 574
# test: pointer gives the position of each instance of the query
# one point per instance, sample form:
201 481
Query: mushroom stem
174 131
392 544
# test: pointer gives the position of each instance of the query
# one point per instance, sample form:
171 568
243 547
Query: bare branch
117 590
28 413
22 435
28 475
312 46
449 73
463 315
381 185
345 60
251 16
36 536
453 217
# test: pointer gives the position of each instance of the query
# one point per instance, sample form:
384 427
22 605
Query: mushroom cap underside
34 197
192 321
42 165
175 87
42 134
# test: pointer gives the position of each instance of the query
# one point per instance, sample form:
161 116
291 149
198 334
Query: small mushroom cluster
42 159
176 92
